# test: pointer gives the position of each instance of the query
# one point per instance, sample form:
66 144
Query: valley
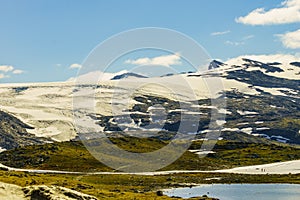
251 119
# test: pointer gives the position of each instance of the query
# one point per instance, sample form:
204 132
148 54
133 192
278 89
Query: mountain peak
215 64
127 75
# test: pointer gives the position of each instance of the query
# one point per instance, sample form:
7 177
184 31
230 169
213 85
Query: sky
42 41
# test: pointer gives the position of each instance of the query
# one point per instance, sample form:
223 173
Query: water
240 191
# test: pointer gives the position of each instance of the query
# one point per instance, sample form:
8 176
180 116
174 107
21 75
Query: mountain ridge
48 106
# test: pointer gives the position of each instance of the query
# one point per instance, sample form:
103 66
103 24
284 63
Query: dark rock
127 75
159 193
297 64
215 64
268 67
13 133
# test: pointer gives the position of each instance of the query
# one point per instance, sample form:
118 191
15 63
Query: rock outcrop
13 133
40 192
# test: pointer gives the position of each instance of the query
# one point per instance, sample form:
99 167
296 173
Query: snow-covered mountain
262 100
127 75
95 76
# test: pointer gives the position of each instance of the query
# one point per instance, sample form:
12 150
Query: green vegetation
68 156
135 186
238 150
73 156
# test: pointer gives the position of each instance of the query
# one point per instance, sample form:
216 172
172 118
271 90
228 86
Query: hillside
13 133
253 97
257 121
229 153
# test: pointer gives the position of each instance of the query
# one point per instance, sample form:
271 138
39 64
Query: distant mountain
128 75
262 100
215 64
95 76
172 74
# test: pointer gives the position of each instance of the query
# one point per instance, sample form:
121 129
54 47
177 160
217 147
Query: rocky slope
40 192
13 133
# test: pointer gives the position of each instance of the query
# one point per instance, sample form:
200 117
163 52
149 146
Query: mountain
95 76
127 75
215 64
261 93
172 74
13 133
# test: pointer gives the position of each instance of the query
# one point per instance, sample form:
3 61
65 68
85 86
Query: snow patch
246 112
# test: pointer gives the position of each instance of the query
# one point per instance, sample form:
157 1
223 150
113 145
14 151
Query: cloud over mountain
166 60
291 40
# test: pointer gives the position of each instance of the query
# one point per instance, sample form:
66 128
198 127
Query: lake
240 191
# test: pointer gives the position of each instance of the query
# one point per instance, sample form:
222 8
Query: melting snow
247 112
2 149
201 152
247 130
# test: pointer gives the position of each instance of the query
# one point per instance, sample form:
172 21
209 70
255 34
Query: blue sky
41 39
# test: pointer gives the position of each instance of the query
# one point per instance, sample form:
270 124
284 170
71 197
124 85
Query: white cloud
220 33
248 37
166 61
75 66
289 12
240 42
6 68
234 43
3 76
291 39
18 71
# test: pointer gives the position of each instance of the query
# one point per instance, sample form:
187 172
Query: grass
73 156
134 186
